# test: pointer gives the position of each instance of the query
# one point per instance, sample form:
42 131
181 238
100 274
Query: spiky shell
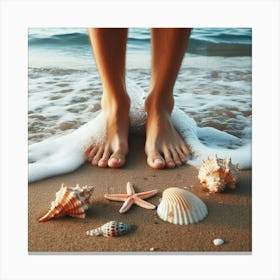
71 201
179 206
216 174
110 229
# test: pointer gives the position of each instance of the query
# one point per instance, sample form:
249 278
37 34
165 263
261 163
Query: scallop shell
110 229
71 201
216 174
179 206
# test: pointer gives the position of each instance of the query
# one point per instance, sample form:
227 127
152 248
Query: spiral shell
110 229
71 201
216 174
179 206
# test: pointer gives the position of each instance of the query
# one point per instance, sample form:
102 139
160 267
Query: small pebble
218 241
152 249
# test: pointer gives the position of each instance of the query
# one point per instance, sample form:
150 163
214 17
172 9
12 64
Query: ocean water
213 87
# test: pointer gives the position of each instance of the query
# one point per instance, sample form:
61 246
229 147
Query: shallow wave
203 47
59 39
215 92
222 35
55 71
203 41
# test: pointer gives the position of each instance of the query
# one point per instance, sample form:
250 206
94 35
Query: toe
91 154
88 151
117 159
176 157
155 160
97 156
185 149
103 162
182 156
168 159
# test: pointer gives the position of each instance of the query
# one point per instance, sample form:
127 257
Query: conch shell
179 206
216 174
71 201
110 229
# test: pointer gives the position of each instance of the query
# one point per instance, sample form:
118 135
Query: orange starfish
132 198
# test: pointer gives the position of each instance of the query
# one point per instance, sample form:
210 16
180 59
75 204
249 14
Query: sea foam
64 154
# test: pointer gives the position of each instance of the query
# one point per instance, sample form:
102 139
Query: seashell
216 174
218 241
110 229
179 206
71 201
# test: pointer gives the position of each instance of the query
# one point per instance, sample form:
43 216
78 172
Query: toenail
114 160
158 161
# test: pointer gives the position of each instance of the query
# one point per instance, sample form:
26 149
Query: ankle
159 104
116 103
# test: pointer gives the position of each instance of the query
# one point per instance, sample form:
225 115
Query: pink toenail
171 164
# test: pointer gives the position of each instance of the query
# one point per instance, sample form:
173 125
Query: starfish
131 198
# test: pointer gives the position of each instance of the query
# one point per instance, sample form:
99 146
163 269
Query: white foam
64 154
191 133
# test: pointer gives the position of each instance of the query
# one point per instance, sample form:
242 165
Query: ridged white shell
216 174
110 229
179 206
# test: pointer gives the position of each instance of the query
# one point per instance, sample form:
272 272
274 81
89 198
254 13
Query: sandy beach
229 214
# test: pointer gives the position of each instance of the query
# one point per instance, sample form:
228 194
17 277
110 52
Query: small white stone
218 241
152 249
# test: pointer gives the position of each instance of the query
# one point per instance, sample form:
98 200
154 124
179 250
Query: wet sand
229 217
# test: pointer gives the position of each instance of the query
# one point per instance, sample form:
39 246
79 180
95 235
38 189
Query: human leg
164 146
109 48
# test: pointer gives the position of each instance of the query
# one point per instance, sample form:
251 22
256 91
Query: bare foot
113 151
164 146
